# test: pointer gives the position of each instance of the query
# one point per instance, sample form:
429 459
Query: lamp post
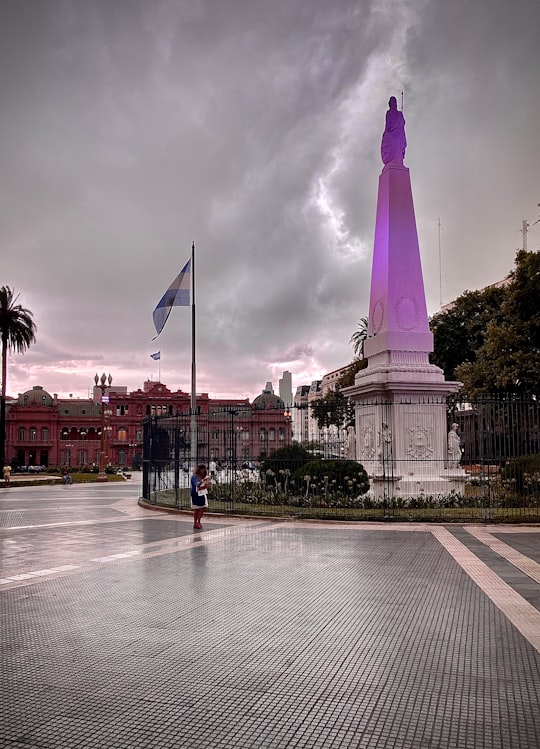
287 416
232 444
102 383
82 451
133 447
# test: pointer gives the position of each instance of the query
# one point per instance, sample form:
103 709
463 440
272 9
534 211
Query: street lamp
133 447
232 446
102 383
287 417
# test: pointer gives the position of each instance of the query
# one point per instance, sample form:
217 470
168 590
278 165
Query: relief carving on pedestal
368 445
420 441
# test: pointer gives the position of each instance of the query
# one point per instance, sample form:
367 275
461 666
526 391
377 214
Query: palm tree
18 331
359 336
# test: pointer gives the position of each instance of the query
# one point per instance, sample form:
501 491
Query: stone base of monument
417 485
401 428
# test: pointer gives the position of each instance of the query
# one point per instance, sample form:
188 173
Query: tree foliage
359 336
490 339
290 457
509 359
347 378
17 332
459 332
333 409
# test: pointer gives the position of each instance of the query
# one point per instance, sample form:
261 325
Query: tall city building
285 389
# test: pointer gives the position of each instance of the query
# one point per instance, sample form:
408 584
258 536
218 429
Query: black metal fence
496 476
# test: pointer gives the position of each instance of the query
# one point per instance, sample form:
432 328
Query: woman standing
200 481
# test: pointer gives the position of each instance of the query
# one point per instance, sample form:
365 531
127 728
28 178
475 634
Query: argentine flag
156 356
177 295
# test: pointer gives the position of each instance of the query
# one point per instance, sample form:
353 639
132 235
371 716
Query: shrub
286 458
346 476
522 474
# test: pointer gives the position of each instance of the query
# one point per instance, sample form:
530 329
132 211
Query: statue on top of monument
394 142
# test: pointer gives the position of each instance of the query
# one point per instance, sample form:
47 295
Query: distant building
42 429
330 379
301 414
314 393
285 389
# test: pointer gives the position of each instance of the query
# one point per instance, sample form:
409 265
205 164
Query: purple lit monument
400 398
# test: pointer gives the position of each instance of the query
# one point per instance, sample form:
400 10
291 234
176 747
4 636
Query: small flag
156 356
177 295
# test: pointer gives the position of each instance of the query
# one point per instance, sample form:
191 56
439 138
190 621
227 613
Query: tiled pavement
124 628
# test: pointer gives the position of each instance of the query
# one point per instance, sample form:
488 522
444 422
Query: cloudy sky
130 128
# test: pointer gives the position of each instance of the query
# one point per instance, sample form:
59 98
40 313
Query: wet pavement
122 627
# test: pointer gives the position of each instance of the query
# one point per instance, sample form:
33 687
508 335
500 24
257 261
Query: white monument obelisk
400 398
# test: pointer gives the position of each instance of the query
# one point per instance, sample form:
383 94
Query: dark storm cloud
131 128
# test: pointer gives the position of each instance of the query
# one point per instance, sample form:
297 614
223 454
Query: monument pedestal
400 398
401 427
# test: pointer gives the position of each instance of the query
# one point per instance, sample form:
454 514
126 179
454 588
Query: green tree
509 358
333 409
460 332
18 332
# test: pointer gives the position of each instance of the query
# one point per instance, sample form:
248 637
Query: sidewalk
125 628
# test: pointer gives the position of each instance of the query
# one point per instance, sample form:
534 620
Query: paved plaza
123 627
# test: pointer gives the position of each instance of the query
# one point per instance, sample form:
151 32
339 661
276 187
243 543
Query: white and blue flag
177 295
156 356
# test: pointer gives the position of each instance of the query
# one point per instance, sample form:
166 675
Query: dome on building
267 399
36 395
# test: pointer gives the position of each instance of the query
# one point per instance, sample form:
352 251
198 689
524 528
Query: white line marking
515 557
39 573
524 617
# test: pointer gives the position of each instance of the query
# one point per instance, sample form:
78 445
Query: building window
272 434
64 434
122 457
33 434
44 434
122 434
139 435
215 434
281 434
22 434
262 434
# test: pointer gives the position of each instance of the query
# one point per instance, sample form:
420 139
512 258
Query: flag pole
193 367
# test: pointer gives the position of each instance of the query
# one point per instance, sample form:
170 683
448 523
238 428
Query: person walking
7 473
200 481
